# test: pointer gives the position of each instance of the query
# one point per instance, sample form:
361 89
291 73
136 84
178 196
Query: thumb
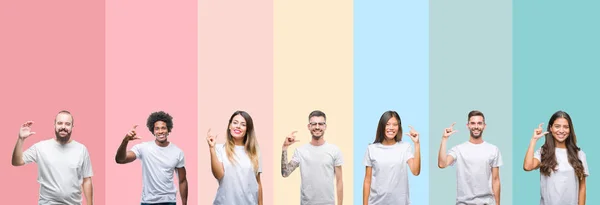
32 133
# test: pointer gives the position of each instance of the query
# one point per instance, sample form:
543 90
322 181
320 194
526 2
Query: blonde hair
250 142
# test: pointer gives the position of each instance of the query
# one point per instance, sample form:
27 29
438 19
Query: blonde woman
237 164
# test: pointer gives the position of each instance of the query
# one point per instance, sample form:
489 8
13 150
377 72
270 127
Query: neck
560 144
387 141
238 142
476 140
63 141
162 144
317 142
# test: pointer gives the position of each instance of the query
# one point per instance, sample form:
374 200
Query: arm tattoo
287 168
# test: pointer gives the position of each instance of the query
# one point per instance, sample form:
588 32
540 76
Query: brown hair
549 163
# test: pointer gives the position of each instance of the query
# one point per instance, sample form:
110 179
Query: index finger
452 126
540 125
293 133
135 126
208 133
411 127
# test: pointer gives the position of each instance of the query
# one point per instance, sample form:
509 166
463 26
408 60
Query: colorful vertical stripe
235 72
391 73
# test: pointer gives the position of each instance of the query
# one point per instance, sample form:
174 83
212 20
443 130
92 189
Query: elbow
118 161
17 163
416 173
440 165
527 168
285 175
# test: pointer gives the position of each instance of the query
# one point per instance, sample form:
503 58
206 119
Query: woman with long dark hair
236 164
563 165
387 161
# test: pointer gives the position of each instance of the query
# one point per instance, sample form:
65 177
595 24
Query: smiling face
161 132
63 126
237 127
317 126
476 125
391 129
560 129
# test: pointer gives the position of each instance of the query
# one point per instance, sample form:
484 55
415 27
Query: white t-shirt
389 181
238 186
474 163
317 172
562 186
61 169
158 167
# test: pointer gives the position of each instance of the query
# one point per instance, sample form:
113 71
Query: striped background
114 62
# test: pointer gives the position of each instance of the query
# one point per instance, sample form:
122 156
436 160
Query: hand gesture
132 134
290 139
538 132
449 131
413 134
211 139
25 130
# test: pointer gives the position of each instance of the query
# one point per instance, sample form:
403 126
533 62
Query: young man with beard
64 166
319 162
477 164
160 158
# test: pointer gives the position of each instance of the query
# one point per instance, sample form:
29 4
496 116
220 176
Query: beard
476 136
317 137
62 139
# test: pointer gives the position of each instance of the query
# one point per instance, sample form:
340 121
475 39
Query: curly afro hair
159 116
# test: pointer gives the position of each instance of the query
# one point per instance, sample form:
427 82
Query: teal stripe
470 68
555 68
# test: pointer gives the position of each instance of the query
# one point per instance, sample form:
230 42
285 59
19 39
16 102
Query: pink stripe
235 73
151 65
52 58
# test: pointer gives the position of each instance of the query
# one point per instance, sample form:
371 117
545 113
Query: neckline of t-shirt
324 143
484 142
392 145
62 145
161 147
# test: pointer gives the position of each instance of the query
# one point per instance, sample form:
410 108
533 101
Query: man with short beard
64 166
477 164
319 161
160 159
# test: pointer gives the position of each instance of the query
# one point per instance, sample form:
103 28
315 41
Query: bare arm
582 188
444 160
123 156
339 185
530 162
24 133
17 156
260 192
367 185
287 167
88 190
183 184
415 163
496 184
216 166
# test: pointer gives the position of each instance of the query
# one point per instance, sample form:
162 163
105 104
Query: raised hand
290 139
25 130
211 139
539 132
413 134
449 131
132 134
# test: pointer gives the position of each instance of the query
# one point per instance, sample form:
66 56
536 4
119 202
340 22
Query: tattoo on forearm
287 168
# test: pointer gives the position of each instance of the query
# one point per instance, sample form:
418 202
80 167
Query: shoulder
581 154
